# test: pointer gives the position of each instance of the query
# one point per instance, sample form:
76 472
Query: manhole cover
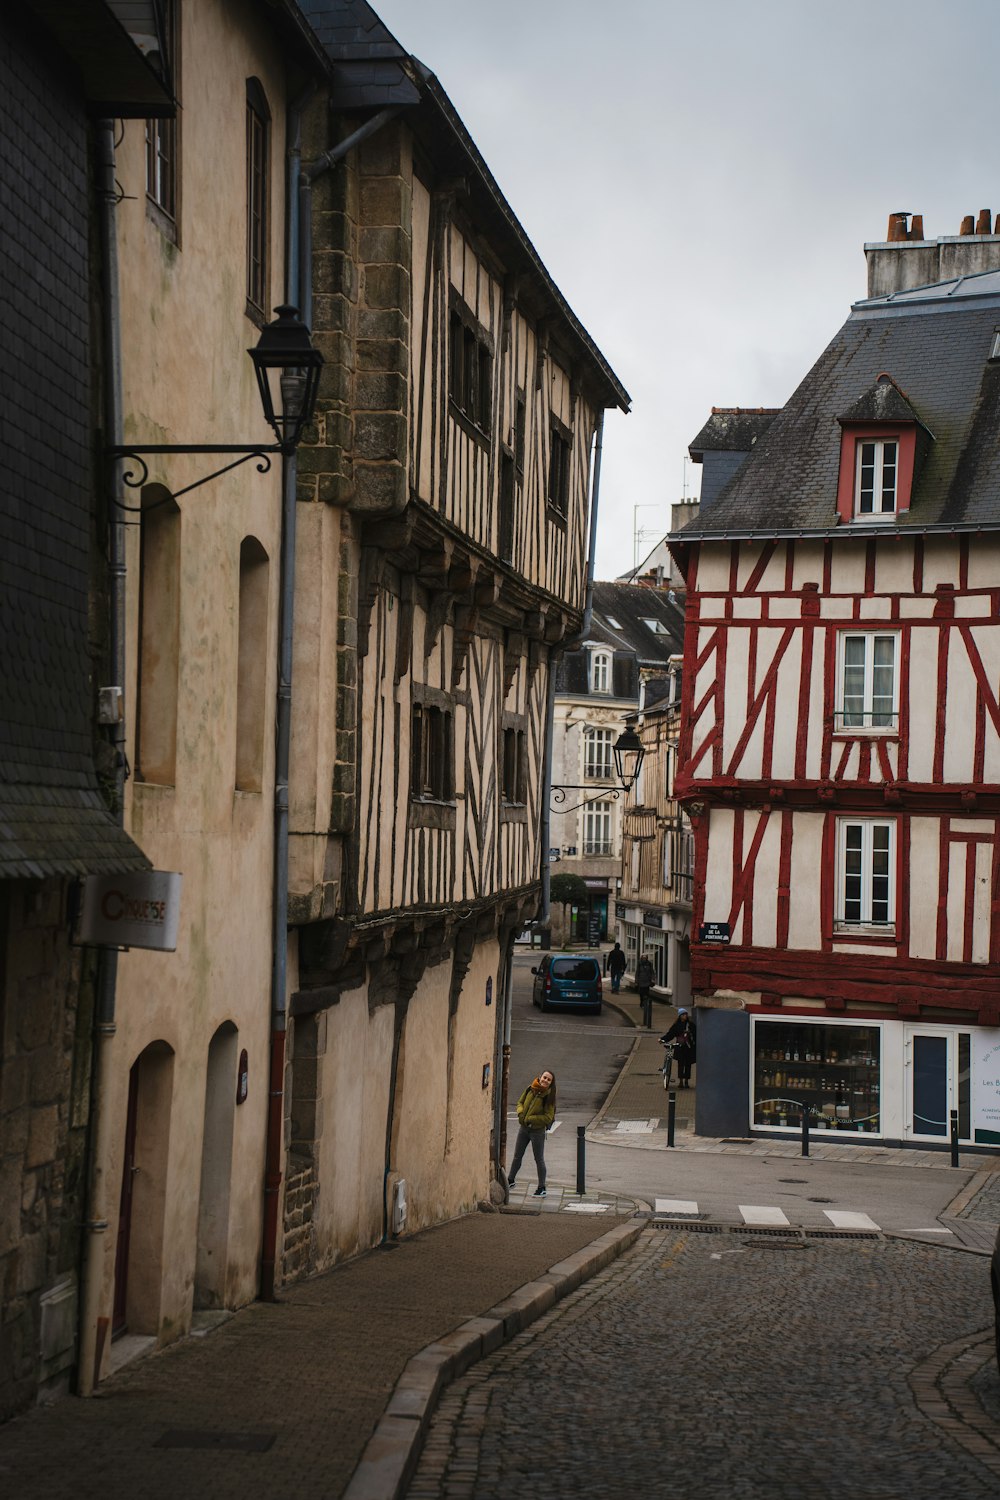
233 1442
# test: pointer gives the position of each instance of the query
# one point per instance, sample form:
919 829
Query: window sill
557 517
425 813
513 812
866 732
858 932
875 518
256 315
468 424
165 223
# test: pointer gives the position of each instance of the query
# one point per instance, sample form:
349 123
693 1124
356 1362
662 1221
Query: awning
61 831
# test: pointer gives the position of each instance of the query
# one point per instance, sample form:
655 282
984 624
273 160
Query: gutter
836 534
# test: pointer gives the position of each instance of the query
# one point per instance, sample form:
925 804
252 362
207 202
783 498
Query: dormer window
882 441
877 464
600 671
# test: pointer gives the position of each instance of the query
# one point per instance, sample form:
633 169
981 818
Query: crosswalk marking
675 1206
755 1213
844 1220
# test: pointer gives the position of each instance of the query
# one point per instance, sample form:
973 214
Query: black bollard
954 1137
671 1116
581 1160
647 1011
805 1130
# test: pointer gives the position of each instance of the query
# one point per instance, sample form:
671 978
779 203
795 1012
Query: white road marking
843 1220
636 1127
675 1206
934 1229
754 1213
585 1208
554 1126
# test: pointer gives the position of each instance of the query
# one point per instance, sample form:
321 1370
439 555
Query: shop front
885 1079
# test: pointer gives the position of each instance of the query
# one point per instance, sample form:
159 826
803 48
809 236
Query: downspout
94 1329
554 657
298 281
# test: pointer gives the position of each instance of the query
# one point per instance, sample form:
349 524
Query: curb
390 1456
961 1201
619 1081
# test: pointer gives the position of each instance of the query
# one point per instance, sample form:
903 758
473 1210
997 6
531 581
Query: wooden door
118 1323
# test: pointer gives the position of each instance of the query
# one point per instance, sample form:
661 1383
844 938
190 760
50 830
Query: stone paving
712 1364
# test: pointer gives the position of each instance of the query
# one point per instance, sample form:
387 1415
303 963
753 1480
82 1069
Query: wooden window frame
867 712
162 141
591 762
593 847
560 464
879 466
258 190
470 372
432 752
865 921
606 661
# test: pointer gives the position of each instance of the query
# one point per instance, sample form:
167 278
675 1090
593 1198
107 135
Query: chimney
905 259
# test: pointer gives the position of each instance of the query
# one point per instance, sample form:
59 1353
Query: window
559 462
519 430
867 695
505 519
161 135
877 464
597 752
681 841
656 626
258 186
159 636
866 895
615 624
470 369
432 754
515 766
252 658
597 829
600 671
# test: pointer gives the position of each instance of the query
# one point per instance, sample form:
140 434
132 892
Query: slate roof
370 68
631 604
732 429
934 342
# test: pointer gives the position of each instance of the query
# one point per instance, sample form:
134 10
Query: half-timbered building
840 753
442 536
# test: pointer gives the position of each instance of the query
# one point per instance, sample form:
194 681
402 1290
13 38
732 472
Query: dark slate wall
45 474
722 1104
716 471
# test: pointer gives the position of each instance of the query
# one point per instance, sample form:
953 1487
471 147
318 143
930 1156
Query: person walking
682 1034
644 977
614 964
536 1109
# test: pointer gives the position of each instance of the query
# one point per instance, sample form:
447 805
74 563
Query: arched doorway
216 1169
142 1205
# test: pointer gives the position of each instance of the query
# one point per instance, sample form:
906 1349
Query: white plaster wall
719 868
804 916
925 858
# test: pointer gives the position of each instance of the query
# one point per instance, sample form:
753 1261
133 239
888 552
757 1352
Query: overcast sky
700 179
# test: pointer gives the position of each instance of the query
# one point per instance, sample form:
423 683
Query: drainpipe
94 1329
298 282
554 658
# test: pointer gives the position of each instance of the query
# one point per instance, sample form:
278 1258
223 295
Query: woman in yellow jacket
536 1109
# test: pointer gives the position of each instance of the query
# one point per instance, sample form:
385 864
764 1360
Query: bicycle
668 1061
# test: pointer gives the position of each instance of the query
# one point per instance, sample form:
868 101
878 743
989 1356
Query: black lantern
629 755
287 368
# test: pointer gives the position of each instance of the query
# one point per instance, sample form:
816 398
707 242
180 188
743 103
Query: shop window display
834 1072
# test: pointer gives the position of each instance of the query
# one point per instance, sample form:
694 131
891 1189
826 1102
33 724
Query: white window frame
867 726
870 829
880 444
598 816
598 766
600 671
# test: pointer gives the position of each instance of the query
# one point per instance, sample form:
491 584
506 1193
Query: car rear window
575 968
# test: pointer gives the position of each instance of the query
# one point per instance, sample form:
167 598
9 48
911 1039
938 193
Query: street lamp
287 367
629 755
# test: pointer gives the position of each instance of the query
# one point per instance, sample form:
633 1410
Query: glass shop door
939 1079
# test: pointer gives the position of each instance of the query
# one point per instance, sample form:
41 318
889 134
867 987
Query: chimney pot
897 227
968 225
996 225
984 221
917 227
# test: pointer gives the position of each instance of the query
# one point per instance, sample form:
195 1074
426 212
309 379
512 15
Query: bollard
581 1160
954 1137
805 1130
671 1116
647 1011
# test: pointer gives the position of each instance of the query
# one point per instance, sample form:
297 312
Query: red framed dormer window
876 472
878 450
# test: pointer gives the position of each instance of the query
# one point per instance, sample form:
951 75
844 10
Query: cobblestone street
719 1363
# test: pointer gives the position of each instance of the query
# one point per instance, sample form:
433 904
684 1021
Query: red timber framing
775 611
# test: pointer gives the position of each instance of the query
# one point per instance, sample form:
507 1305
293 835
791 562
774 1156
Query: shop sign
714 932
553 856
651 919
140 910
986 1090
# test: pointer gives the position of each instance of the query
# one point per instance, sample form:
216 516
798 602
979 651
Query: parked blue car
570 981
